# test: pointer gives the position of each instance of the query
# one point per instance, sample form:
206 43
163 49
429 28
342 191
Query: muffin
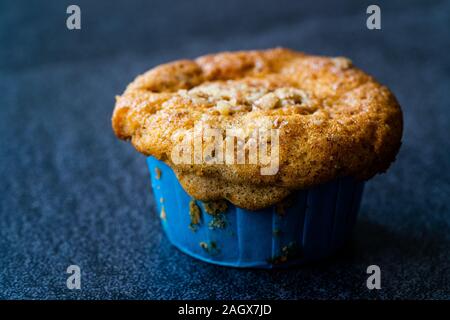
258 158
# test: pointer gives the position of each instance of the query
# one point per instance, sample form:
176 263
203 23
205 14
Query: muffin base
311 225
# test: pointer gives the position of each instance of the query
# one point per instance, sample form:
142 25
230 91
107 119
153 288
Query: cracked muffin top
332 119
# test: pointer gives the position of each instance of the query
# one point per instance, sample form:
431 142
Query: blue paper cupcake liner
312 225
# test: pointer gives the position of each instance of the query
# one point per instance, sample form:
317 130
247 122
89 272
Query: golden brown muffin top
333 120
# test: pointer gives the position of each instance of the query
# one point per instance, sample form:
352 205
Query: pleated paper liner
310 225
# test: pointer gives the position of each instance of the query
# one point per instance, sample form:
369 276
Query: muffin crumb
223 107
215 207
268 101
288 252
157 173
195 215
210 248
218 222
163 214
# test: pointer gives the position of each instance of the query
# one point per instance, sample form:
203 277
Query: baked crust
334 120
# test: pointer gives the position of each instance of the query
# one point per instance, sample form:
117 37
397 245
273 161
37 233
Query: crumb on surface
215 207
288 252
218 222
163 214
210 248
157 173
195 215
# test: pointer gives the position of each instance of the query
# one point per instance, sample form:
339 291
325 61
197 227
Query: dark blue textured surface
71 193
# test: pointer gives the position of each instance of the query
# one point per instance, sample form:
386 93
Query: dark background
71 193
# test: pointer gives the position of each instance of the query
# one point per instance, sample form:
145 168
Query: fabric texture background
71 193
